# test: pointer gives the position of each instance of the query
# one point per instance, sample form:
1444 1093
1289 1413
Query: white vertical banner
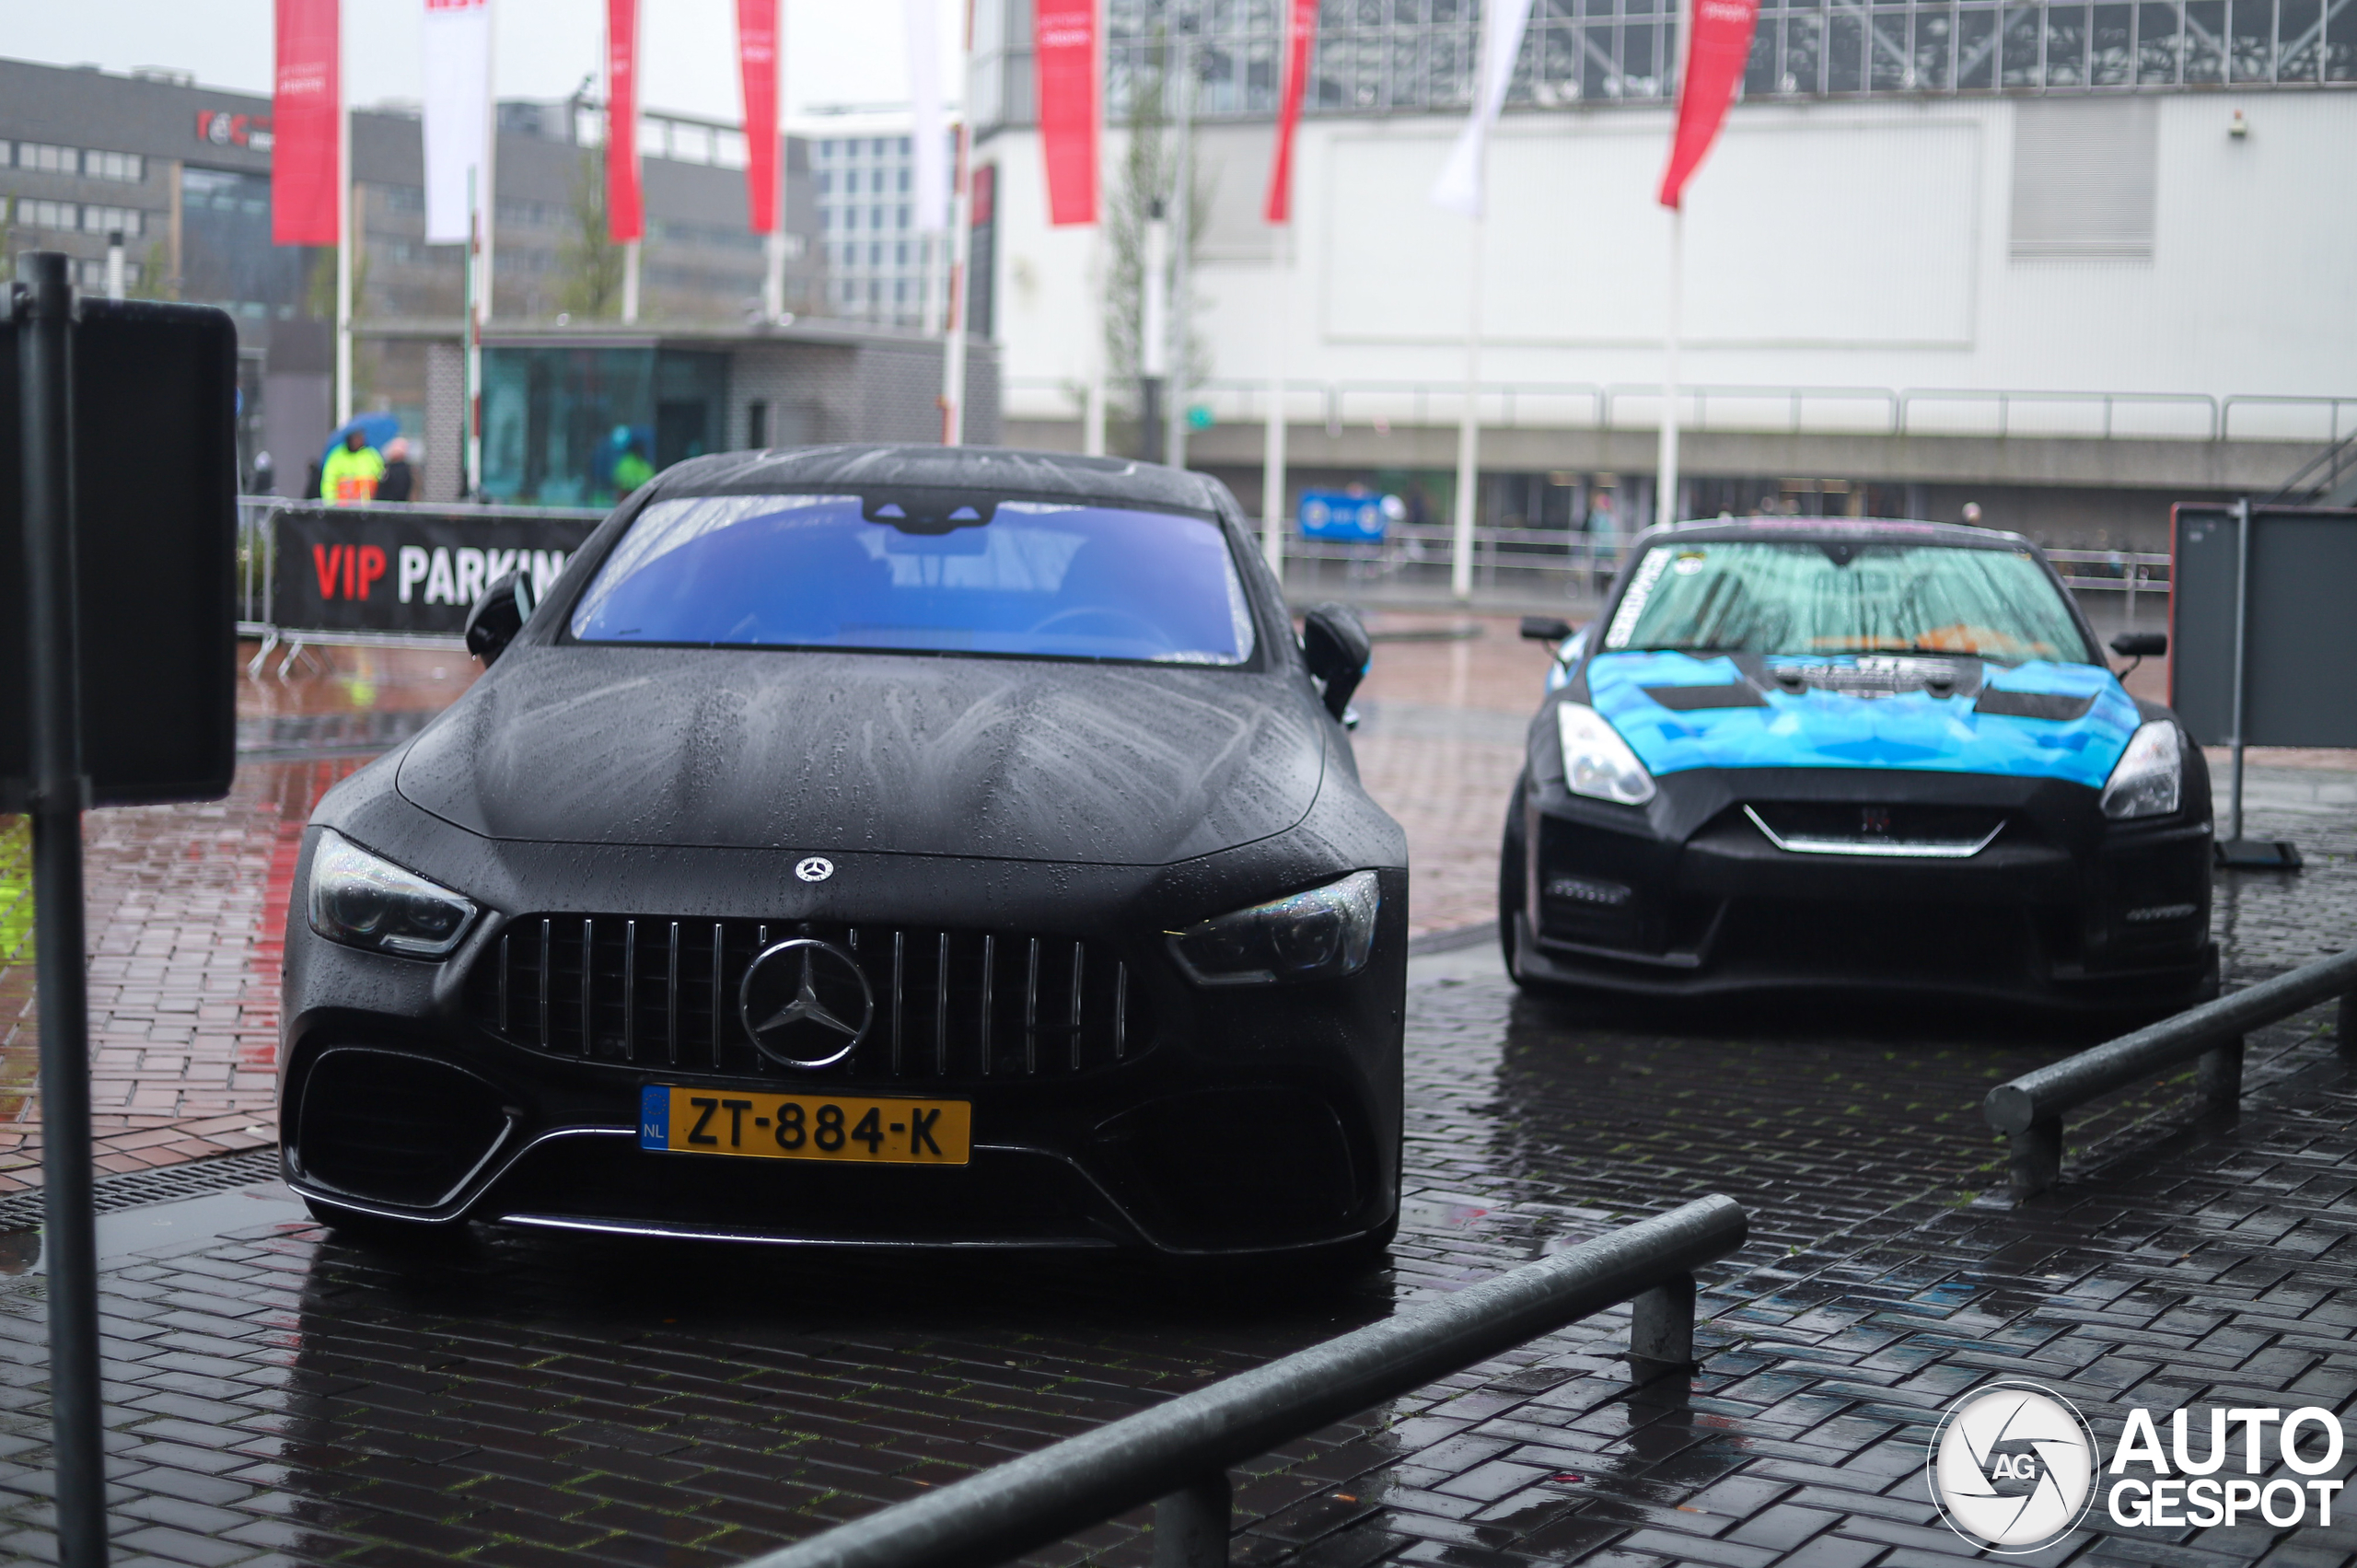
458 113
928 122
1459 187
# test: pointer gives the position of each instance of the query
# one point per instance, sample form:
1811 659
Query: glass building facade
876 257
581 427
1381 56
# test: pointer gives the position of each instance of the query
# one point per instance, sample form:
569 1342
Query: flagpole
343 235
1091 434
1665 480
470 480
490 152
1182 214
630 277
953 346
1273 465
1468 430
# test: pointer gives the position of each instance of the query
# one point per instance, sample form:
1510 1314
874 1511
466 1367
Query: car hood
1006 759
1935 714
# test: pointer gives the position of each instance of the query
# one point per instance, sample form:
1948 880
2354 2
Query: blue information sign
1339 514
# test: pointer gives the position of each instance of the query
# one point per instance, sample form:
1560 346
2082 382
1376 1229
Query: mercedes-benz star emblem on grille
806 1002
818 868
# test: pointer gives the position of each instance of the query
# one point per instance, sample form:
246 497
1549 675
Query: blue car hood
1938 714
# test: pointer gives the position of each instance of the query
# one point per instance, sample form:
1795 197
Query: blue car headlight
365 900
2149 778
1596 762
1324 934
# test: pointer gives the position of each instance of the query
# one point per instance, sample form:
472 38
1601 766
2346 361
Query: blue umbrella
375 429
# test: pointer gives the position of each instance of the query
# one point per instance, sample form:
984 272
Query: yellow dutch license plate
858 1129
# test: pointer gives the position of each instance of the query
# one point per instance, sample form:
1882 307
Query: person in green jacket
352 471
632 470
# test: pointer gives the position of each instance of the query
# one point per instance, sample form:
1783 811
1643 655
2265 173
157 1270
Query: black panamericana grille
949 1004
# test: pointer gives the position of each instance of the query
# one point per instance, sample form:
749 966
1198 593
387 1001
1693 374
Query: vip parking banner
1718 43
756 56
1064 36
306 102
352 569
458 113
1301 32
625 212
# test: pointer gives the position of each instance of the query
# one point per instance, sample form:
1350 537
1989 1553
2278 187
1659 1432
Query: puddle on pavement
186 1222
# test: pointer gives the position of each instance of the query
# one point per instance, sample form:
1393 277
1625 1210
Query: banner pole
1182 224
1273 467
1468 431
1666 482
343 240
60 792
958 243
629 280
490 206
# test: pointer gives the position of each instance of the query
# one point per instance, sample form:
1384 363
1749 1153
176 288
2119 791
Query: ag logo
806 1002
2012 1467
818 868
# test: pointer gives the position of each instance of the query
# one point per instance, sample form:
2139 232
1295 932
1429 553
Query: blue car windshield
985 576
1793 597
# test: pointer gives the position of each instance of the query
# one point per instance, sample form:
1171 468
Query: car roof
1004 470
1830 530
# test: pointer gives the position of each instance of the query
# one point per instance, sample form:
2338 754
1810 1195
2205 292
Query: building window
48 159
47 215
128 168
109 220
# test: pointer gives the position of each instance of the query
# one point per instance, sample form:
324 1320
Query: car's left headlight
1596 762
1321 935
2149 778
365 900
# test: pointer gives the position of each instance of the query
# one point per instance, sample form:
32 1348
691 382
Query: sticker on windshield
1632 603
1688 563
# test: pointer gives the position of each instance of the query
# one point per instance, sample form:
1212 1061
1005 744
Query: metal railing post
2218 1076
2035 1156
1191 1525
1661 1323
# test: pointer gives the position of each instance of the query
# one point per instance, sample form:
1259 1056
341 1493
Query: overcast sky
836 50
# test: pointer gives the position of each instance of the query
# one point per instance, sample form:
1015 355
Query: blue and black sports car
1802 753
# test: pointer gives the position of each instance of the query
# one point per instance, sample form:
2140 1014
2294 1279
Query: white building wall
1864 245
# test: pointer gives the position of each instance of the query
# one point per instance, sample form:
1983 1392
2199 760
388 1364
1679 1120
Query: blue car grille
950 1005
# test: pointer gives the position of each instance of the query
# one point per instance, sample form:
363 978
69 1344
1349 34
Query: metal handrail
2029 1109
2216 411
1179 1452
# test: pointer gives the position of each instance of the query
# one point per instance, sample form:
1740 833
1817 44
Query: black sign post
117 686
57 791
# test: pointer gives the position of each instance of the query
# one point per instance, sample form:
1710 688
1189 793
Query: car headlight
365 900
1596 762
1321 935
2150 775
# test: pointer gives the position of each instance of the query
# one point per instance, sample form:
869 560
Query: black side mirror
2140 644
492 623
1546 628
1334 641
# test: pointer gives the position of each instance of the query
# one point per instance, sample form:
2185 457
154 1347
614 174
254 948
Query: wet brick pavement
282 1396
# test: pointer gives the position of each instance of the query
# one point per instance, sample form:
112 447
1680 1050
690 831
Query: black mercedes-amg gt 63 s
870 845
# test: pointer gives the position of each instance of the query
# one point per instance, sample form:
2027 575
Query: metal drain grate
191 1178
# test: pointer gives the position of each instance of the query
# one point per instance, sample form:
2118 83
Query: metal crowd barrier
1179 1452
2029 1109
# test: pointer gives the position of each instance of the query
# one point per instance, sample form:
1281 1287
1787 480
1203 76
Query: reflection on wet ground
277 1394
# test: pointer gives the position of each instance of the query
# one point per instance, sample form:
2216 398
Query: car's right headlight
1324 934
365 900
1596 762
2149 778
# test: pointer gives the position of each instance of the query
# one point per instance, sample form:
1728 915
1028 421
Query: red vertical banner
1718 42
625 211
1301 32
306 104
757 56
1064 36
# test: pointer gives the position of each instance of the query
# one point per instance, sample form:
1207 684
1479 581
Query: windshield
923 573
1793 597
